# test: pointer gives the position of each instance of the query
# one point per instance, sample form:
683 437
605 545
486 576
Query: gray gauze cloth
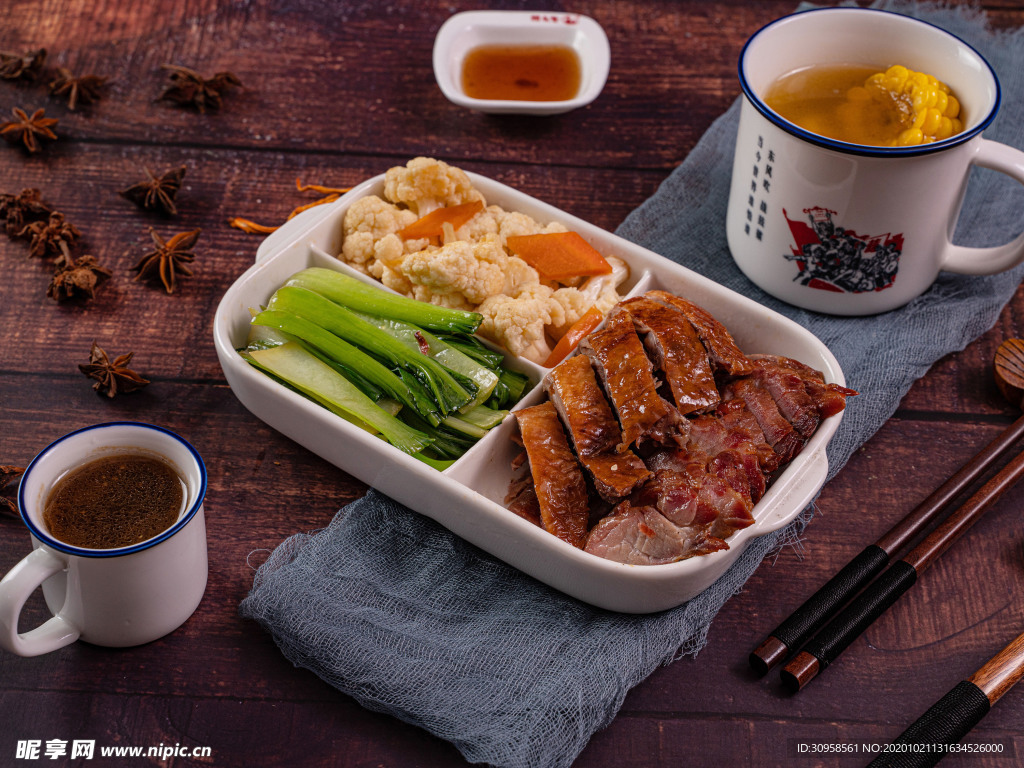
408 619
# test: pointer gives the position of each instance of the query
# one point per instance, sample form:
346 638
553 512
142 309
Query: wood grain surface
335 92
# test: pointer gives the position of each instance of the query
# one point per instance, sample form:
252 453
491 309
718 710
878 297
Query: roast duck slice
558 481
593 429
662 416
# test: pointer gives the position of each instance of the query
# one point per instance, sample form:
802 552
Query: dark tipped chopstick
827 644
955 714
791 634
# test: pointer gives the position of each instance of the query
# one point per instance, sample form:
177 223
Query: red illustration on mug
835 259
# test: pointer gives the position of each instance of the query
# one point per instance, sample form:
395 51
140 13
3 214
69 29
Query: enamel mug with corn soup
856 229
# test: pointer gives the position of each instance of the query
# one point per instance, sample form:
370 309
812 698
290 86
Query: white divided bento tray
467 498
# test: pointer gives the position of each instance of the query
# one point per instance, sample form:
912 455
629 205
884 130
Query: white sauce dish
464 32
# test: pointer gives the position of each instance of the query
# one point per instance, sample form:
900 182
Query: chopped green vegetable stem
449 393
340 351
307 373
359 296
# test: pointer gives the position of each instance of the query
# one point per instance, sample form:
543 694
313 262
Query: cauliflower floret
376 216
450 300
513 223
518 324
483 224
600 292
472 270
369 231
572 305
424 184
392 278
518 276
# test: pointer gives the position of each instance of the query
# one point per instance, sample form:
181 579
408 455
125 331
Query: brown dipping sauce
114 501
522 72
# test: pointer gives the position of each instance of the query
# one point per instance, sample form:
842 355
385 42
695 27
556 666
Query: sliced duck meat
737 418
828 399
721 349
615 475
593 429
673 432
670 430
786 387
729 453
698 492
643 536
573 388
674 347
741 470
731 507
673 489
522 499
627 374
778 432
557 478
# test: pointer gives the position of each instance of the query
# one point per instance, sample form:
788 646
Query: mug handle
15 588
989 261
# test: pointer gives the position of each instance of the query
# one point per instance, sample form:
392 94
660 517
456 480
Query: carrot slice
431 225
559 255
590 320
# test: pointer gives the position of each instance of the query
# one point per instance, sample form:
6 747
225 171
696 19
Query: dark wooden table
336 92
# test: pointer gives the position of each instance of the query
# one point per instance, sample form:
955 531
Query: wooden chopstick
792 633
955 714
826 646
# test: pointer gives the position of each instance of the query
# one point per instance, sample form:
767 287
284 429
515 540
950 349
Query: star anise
84 88
8 485
169 259
157 193
21 67
19 210
189 88
111 377
26 129
54 237
78 278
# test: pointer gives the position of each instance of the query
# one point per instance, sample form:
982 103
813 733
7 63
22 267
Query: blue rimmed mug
850 229
111 597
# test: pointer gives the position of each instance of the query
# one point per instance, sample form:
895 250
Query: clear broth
815 99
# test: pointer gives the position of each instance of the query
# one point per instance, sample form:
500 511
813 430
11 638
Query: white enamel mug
111 597
850 229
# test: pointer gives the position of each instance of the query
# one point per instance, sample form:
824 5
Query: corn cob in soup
861 105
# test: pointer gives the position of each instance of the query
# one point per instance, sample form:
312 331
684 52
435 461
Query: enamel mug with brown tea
111 575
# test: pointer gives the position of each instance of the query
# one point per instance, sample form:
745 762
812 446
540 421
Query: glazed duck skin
619 358
827 399
593 429
721 349
674 347
558 480
787 389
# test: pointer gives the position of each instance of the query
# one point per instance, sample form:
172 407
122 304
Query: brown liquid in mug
114 501
522 72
